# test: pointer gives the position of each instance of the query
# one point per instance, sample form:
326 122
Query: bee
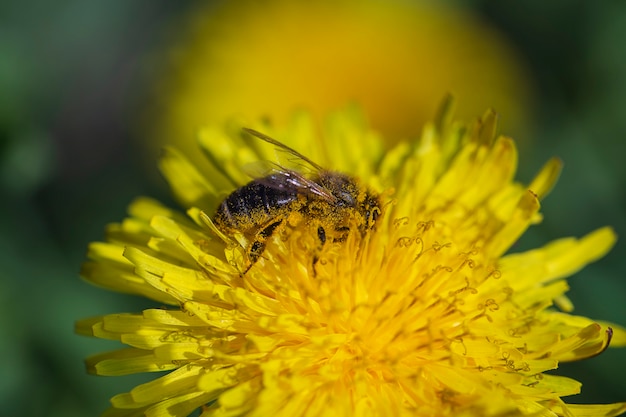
330 200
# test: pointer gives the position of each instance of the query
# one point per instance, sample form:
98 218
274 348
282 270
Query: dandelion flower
424 315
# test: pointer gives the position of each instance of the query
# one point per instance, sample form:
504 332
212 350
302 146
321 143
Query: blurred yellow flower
396 59
424 315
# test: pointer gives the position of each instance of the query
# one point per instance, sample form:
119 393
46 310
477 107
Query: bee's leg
258 246
255 252
321 235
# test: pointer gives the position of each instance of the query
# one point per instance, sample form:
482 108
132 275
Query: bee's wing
294 182
260 169
294 155
285 179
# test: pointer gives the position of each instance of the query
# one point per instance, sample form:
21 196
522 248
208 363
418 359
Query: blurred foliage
73 78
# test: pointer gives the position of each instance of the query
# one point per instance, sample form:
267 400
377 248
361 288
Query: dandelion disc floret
423 314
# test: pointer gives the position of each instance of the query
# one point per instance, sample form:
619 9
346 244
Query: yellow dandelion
262 59
423 314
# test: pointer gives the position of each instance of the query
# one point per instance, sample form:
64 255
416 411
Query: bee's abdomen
254 203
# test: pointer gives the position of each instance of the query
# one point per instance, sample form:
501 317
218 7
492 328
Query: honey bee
330 200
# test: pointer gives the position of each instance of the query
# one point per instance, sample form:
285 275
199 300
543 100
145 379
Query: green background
72 78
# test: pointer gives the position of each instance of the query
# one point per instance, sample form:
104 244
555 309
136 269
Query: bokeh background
90 90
